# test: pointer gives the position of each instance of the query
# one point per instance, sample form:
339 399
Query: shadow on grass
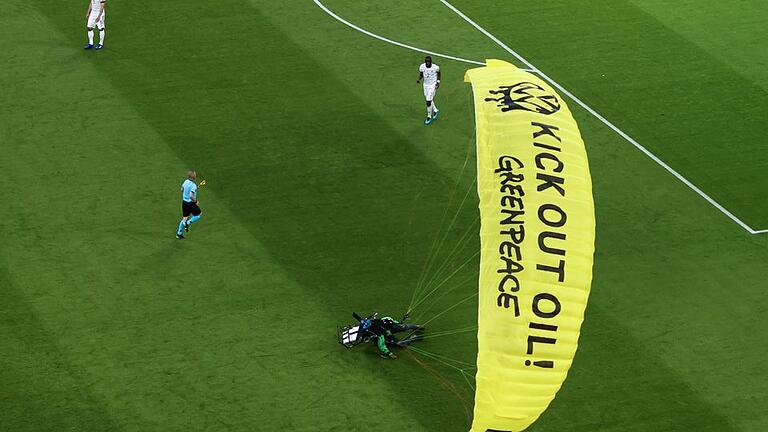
41 390
329 190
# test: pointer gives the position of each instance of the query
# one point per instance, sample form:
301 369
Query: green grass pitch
325 195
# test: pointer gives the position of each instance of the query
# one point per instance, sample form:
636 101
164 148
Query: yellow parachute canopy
537 243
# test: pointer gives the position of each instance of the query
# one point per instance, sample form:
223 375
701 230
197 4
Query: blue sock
195 218
181 227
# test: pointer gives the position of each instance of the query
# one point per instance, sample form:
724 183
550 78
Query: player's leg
428 98
102 34
196 215
102 30
429 95
180 230
186 211
90 25
90 38
435 111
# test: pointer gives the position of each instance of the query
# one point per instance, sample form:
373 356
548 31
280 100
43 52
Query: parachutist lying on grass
381 331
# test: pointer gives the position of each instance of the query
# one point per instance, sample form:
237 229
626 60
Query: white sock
90 37
434 107
429 111
102 33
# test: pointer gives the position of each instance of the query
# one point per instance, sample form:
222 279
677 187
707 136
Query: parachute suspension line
461 284
461 243
434 302
467 378
437 233
450 227
446 384
433 256
449 332
456 365
455 305
444 291
474 255
452 363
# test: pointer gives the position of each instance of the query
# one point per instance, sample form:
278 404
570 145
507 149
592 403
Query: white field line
390 41
606 122
534 69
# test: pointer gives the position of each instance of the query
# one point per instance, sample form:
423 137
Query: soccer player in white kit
430 73
95 15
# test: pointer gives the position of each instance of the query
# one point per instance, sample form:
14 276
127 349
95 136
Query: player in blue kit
190 210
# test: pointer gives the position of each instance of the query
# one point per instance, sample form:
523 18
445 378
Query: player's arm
421 77
193 196
439 75
87 14
103 8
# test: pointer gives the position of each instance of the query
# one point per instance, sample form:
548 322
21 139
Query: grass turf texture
325 195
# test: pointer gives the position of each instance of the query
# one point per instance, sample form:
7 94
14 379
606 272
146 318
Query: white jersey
96 5
430 74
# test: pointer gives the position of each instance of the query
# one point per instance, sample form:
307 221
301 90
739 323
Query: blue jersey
186 188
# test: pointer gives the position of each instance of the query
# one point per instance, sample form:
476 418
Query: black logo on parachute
525 96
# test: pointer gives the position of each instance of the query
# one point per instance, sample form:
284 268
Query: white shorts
429 92
92 22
